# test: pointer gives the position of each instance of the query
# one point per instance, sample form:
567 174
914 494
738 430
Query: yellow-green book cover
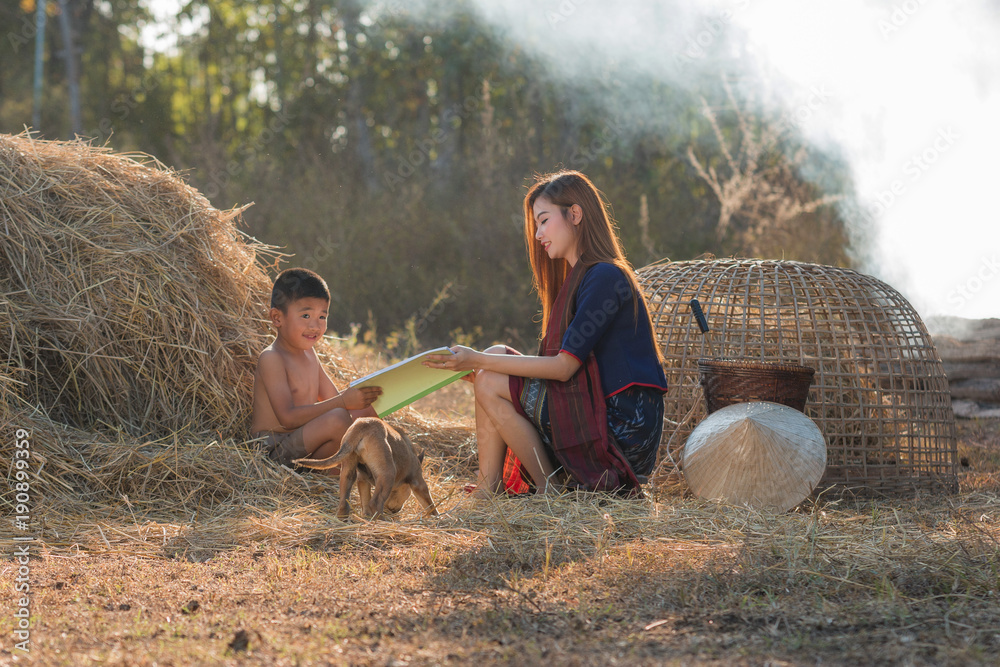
406 381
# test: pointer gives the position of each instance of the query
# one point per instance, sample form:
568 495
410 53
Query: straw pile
129 303
131 315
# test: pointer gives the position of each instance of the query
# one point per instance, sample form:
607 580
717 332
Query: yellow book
406 381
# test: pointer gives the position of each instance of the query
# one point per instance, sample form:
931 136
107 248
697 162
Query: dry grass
582 579
164 538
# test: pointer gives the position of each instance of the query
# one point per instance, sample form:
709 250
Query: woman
590 404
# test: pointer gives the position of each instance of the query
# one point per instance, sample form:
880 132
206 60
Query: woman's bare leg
490 447
498 426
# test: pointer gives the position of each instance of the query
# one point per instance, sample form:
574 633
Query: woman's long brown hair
597 237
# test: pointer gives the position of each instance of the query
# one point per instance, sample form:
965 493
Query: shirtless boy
297 411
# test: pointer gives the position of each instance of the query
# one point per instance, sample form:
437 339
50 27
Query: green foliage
389 151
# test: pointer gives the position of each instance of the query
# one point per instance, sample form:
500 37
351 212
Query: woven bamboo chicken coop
879 394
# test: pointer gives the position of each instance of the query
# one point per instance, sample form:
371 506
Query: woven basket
729 381
879 396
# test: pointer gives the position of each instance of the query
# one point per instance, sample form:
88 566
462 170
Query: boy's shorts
283 447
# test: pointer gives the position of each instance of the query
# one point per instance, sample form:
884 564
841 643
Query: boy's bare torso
302 371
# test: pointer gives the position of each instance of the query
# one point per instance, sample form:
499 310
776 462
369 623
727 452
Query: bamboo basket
879 395
729 381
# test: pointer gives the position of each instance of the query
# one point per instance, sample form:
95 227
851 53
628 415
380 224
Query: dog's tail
345 450
348 446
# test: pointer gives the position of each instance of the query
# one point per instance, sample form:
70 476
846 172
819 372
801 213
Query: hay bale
132 314
127 303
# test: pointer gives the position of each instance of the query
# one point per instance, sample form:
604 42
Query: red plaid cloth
515 477
577 413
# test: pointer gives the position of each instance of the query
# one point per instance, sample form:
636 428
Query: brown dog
375 454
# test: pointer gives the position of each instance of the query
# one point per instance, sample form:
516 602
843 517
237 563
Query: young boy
297 411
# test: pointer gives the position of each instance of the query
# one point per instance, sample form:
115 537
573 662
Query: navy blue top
604 324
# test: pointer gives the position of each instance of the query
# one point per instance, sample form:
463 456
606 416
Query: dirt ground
910 581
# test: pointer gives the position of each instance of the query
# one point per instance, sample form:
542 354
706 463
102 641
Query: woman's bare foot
482 493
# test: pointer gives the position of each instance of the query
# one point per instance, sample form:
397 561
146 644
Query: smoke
639 61
661 40
916 90
907 91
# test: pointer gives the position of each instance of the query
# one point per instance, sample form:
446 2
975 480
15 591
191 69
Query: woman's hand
462 359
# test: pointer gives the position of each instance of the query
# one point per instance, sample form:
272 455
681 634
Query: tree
72 15
390 150
765 208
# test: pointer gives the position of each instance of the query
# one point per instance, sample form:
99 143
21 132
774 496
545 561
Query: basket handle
699 315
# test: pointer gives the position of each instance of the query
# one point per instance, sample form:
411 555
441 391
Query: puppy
375 454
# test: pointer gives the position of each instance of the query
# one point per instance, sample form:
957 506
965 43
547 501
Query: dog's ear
420 455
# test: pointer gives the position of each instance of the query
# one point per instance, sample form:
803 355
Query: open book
406 381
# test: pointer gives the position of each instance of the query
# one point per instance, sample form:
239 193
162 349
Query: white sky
902 76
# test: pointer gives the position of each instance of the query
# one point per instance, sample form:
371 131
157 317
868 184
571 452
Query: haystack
127 302
131 317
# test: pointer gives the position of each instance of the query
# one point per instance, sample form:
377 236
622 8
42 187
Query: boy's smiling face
304 324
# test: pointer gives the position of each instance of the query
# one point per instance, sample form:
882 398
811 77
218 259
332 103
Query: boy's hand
359 398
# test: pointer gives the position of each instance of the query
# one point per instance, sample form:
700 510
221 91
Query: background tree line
389 149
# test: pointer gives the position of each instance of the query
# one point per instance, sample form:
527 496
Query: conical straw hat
759 454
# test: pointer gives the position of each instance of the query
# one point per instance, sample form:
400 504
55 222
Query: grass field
582 580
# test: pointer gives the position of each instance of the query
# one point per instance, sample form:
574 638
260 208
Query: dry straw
129 303
879 396
131 313
131 317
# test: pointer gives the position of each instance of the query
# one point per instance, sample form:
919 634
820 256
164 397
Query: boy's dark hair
294 284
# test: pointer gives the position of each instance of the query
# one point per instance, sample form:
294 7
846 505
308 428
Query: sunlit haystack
131 318
127 303
879 395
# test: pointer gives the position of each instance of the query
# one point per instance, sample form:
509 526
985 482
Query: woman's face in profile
556 231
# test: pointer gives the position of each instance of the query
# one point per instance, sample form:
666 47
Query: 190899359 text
20 476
